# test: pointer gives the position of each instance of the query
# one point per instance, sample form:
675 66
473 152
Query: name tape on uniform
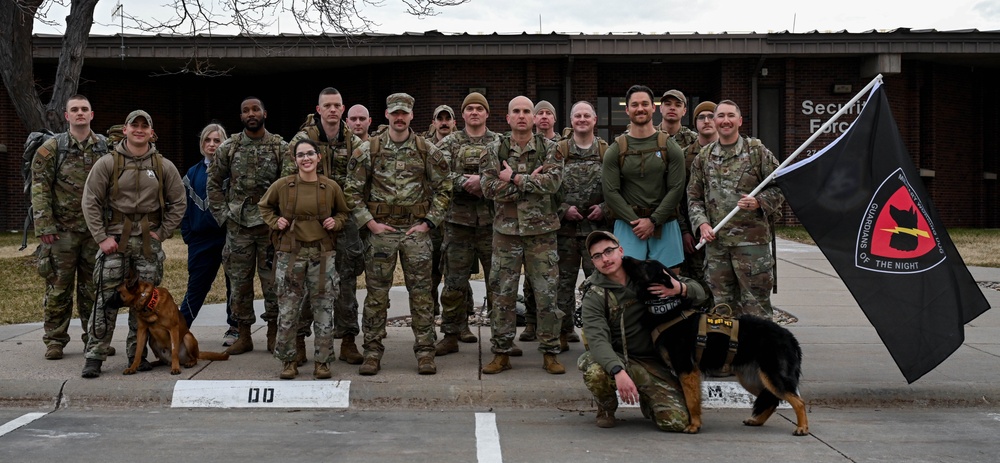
261 394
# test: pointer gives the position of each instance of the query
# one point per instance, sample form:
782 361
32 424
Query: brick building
940 85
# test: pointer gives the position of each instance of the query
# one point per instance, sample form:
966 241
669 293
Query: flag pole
846 107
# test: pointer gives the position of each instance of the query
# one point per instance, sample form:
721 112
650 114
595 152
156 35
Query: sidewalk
845 363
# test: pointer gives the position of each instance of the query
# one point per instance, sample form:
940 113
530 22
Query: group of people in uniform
308 216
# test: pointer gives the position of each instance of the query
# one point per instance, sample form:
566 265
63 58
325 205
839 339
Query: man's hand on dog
626 388
663 291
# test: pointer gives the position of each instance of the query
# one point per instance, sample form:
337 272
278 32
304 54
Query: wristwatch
616 369
653 221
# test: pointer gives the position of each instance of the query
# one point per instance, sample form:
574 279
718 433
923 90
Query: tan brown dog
160 322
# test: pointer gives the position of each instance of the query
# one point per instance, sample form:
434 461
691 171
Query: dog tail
212 356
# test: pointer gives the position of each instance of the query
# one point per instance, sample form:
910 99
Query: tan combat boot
300 350
552 365
55 352
426 366
465 334
563 343
528 334
500 363
322 371
290 371
244 343
447 345
349 351
272 333
370 367
605 417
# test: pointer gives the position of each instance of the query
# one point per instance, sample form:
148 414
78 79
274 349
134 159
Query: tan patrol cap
138 113
674 93
598 235
399 102
445 108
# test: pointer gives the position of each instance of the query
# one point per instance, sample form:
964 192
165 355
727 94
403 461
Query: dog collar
153 299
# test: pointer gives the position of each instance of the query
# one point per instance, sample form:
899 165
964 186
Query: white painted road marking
21 421
720 394
487 439
261 394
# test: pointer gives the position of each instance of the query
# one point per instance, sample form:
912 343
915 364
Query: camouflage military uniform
694 264
243 170
138 198
468 230
524 232
685 137
398 186
530 308
612 322
350 264
305 267
739 264
581 187
57 181
437 241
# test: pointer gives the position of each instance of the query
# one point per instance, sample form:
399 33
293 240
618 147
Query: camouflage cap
445 108
399 102
598 235
138 113
674 93
704 106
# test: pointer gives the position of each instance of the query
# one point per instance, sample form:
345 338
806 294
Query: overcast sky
628 16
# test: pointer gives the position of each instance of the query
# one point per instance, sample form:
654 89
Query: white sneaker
230 337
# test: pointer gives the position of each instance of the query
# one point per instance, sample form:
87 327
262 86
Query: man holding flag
739 261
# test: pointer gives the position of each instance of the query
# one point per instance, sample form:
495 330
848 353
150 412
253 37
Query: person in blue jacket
203 235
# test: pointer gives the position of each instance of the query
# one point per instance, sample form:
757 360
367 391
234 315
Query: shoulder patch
43 152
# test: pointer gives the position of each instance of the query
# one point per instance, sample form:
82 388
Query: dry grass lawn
979 247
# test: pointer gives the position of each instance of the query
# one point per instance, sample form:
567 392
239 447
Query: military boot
605 417
528 335
242 344
465 334
349 351
426 366
447 345
515 351
300 350
371 366
500 363
322 371
571 336
290 371
552 365
272 334
54 352
92 368
563 343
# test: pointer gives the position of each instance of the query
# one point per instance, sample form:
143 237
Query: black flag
864 204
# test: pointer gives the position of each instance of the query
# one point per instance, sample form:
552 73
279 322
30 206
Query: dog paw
692 429
801 431
189 365
175 372
752 422
129 371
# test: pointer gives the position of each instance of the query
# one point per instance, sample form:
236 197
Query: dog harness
717 320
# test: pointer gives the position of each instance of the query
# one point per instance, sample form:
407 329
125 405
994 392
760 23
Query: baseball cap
445 108
674 93
399 102
598 235
138 113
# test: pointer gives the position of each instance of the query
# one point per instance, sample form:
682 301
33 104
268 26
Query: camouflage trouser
694 264
464 246
572 255
249 249
741 276
70 261
414 253
350 264
541 263
108 276
659 399
297 282
437 241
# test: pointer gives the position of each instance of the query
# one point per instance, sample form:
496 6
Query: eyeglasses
605 253
305 154
702 117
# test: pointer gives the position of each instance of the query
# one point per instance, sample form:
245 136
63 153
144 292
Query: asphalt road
220 435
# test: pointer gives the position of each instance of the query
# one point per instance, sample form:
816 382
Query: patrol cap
598 235
544 105
674 93
138 113
704 106
445 108
399 102
478 98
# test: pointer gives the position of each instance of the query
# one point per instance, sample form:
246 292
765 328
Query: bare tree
250 17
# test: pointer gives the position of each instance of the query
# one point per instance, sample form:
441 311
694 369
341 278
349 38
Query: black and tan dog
767 359
160 321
